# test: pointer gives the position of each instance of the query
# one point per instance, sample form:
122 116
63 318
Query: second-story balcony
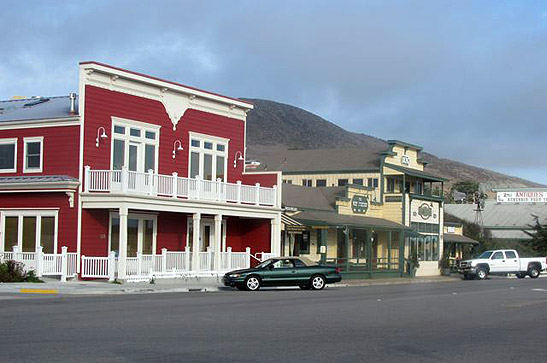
172 186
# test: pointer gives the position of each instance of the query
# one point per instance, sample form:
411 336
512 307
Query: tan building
378 210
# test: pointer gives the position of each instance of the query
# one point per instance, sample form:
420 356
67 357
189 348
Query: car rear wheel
252 283
533 272
482 273
317 282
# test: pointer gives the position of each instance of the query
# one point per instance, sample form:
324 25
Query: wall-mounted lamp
100 135
236 159
175 148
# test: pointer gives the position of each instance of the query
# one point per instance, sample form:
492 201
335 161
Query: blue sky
465 79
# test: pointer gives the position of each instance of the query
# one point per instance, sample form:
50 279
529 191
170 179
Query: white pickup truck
502 262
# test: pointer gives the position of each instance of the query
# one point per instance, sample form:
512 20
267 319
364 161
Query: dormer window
33 154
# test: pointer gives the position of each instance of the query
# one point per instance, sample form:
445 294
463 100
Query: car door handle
293 271
502 260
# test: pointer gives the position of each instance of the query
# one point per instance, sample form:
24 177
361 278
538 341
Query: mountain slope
274 126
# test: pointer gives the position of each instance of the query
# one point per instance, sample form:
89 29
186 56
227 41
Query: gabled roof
36 108
320 160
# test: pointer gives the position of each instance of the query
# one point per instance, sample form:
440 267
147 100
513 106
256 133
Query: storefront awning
324 218
292 225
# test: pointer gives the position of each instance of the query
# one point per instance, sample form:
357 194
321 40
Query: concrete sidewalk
203 284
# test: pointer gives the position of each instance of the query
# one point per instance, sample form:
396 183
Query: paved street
499 320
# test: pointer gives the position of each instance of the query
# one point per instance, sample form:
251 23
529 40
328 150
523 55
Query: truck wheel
482 273
520 275
533 272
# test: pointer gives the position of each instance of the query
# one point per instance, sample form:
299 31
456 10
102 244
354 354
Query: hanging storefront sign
359 204
522 197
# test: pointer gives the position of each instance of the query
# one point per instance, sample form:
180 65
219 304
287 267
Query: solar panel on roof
37 102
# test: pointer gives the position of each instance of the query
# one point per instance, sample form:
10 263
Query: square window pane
135 132
220 167
7 156
29 234
150 135
221 147
33 148
33 162
119 130
194 164
195 143
47 234
11 229
208 145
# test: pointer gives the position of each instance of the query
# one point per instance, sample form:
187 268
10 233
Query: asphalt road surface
499 320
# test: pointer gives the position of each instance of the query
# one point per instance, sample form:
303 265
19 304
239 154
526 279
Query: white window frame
27 140
140 234
20 213
9 142
214 152
141 140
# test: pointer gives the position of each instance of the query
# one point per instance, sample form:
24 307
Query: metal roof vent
72 96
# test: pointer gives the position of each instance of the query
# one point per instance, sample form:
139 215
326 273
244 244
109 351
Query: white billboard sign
522 197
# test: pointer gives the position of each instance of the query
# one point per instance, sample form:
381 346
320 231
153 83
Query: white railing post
275 195
87 170
229 256
219 189
238 191
257 190
151 182
139 263
39 261
209 259
187 258
248 255
175 183
164 260
111 266
198 187
16 256
64 263
124 179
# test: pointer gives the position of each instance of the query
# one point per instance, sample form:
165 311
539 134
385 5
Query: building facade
135 167
391 187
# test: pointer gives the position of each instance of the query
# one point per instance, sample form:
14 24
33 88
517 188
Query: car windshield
486 254
264 264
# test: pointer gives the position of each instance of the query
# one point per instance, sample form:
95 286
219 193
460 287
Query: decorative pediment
175 105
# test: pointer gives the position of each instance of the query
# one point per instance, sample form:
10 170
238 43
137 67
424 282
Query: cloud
464 79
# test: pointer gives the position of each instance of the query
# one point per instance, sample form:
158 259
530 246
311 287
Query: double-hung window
28 229
134 145
33 154
208 157
8 155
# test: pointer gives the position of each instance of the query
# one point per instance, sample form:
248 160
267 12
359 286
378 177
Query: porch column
324 244
123 243
275 236
217 242
196 238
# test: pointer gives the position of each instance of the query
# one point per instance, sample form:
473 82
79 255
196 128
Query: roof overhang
415 173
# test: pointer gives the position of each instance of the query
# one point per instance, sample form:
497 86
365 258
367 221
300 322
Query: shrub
13 271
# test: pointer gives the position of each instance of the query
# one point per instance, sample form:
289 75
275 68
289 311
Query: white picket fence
62 264
167 264
125 181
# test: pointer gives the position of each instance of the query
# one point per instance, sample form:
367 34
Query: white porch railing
62 264
167 263
124 181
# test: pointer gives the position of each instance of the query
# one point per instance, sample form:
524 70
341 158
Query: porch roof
325 218
38 182
416 173
458 238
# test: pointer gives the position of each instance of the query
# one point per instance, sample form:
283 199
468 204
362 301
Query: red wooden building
148 169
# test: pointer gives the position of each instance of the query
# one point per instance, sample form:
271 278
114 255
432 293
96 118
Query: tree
539 237
469 187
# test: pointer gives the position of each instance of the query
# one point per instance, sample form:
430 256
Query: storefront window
11 228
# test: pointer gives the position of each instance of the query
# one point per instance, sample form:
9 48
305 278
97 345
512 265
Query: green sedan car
284 271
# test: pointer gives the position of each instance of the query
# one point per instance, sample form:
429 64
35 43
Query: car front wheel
482 274
252 283
318 282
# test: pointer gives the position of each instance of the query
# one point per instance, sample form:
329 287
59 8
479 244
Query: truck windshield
486 254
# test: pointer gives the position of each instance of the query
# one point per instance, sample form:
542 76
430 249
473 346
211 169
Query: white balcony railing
124 181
